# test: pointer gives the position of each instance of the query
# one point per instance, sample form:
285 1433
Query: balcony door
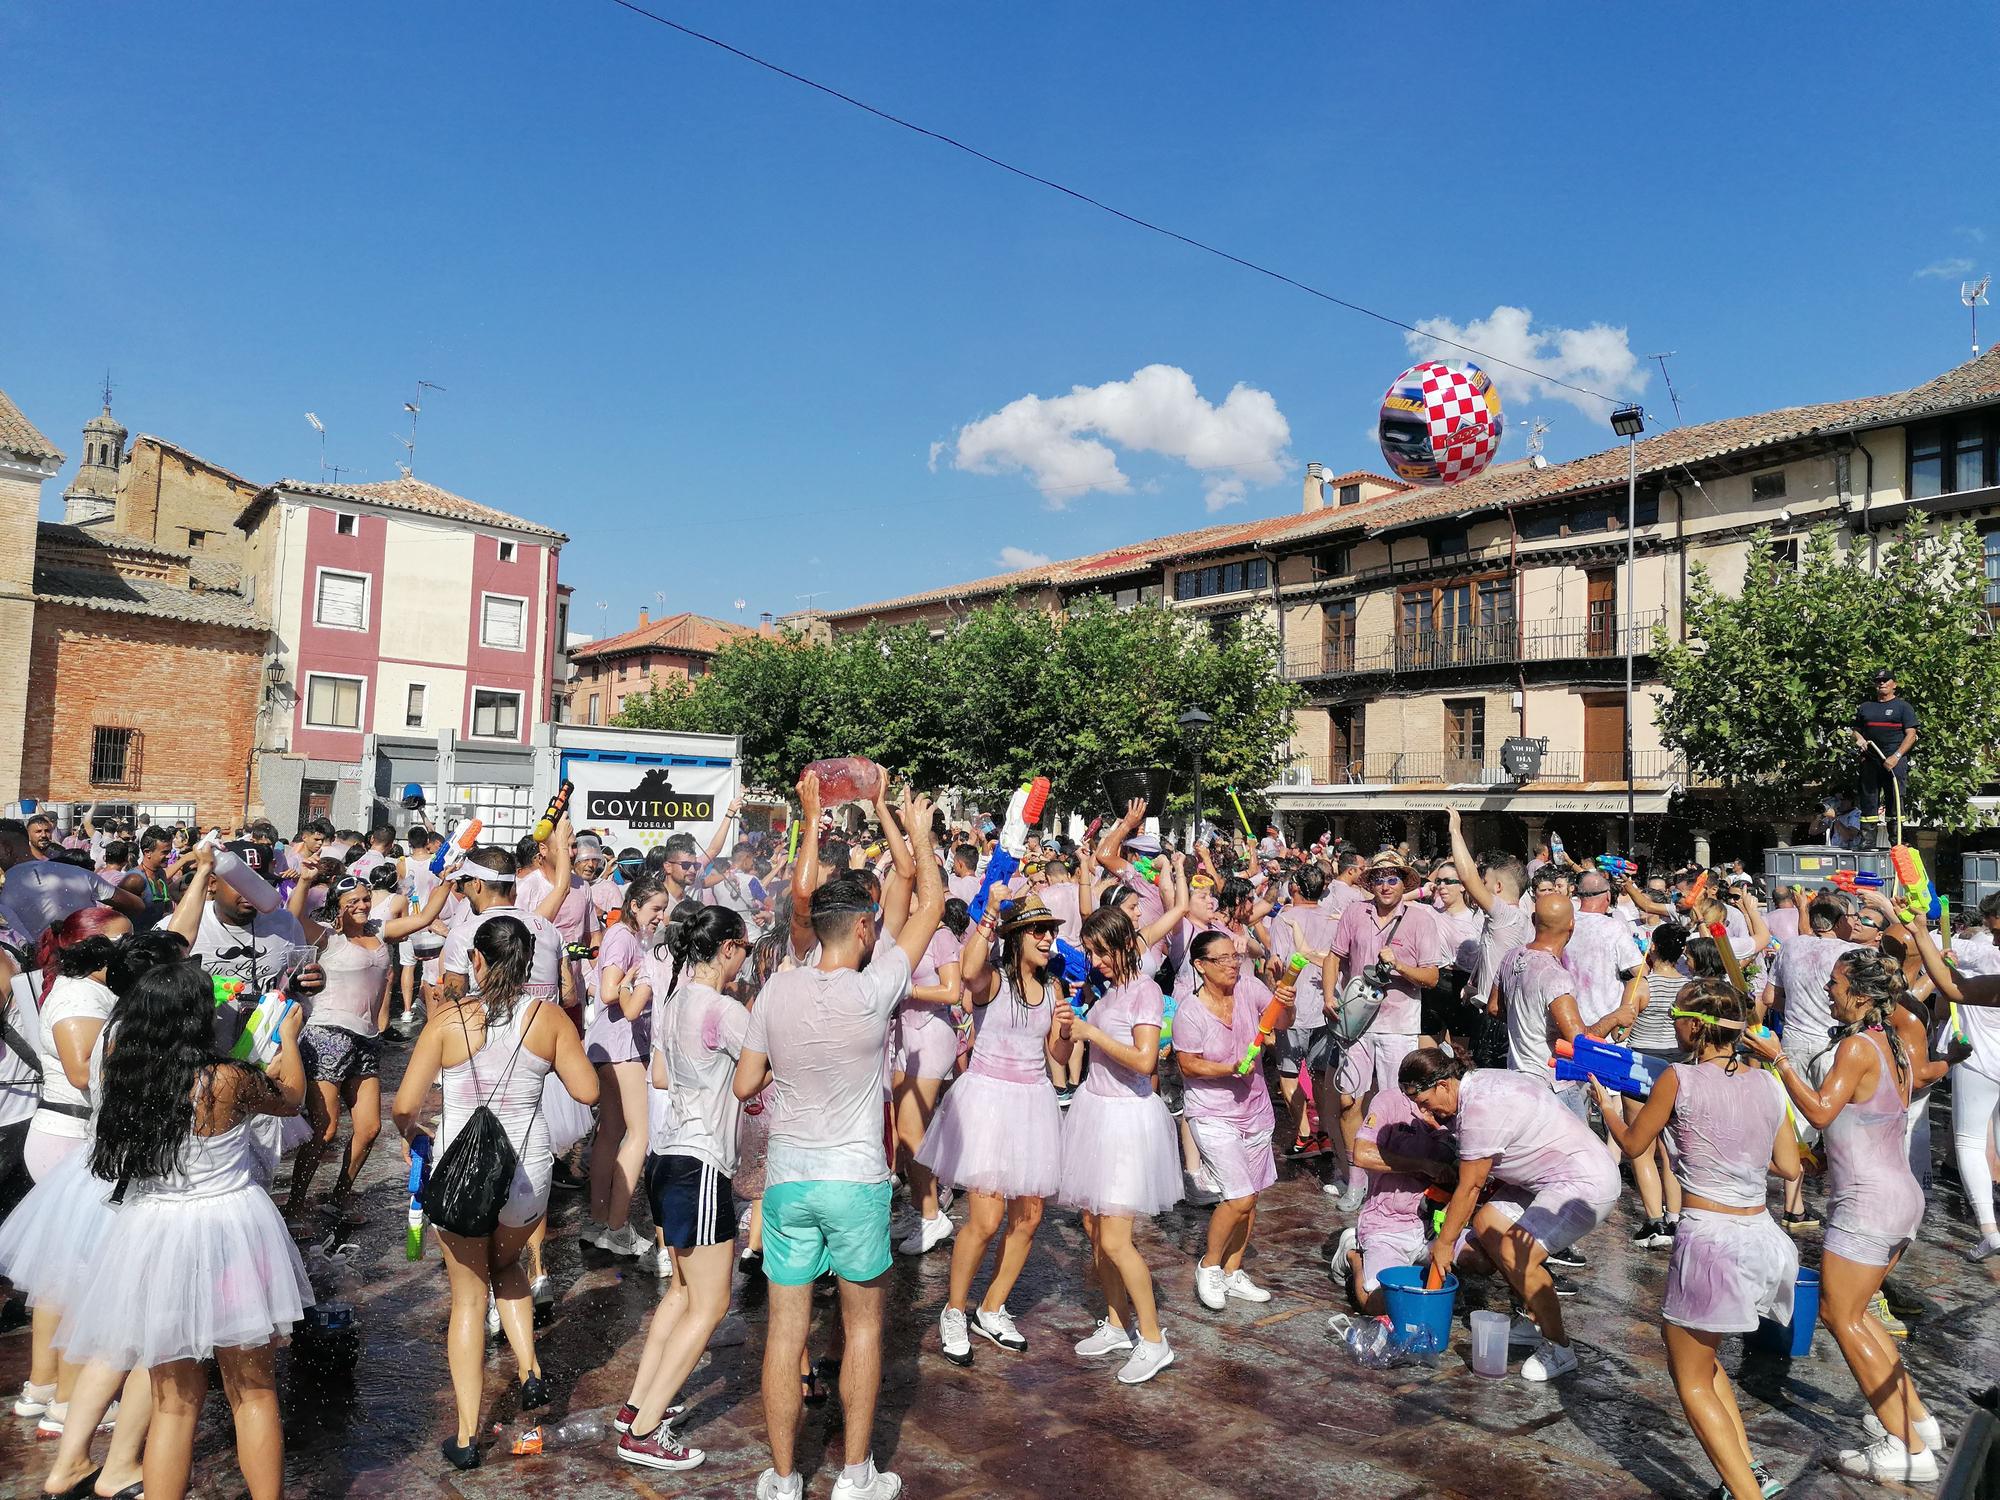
1601 613
1604 737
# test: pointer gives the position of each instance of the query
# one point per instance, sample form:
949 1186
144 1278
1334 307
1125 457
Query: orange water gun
1267 1024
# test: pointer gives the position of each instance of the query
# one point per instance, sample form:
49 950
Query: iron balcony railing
1443 768
1576 638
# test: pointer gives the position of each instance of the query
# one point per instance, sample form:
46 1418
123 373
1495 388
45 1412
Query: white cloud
1598 357
1950 267
1977 236
1012 558
1065 443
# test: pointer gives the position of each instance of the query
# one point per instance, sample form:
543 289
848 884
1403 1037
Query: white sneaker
998 1326
951 1336
927 1236
593 1233
1106 1338
1343 1268
1350 1197
625 1240
541 1291
1211 1286
1889 1459
492 1317
1522 1332
34 1399
1238 1284
1989 1244
771 1487
1549 1362
1147 1361
884 1486
1928 1430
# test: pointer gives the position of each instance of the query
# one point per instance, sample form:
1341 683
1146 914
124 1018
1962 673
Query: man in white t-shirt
40 890
1603 957
818 1034
1494 885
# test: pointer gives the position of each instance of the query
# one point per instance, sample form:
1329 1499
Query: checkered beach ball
1440 423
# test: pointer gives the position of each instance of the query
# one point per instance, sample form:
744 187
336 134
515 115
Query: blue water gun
1024 810
420 1171
1616 868
1619 1069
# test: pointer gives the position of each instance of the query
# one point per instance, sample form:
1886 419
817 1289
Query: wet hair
1823 913
509 950
965 856
1112 930
138 953
639 892
490 857
871 882
1990 907
153 837
78 944
1704 959
1427 1066
527 849
1669 942
1310 883
117 852
321 826
698 938
768 952
165 1050
1878 982
1351 859
836 904
1718 998
1013 960
1207 942
957 917
1233 892
382 877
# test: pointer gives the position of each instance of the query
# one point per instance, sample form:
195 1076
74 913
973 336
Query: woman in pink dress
617 1044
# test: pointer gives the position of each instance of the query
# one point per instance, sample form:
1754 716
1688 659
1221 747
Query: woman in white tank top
494 1047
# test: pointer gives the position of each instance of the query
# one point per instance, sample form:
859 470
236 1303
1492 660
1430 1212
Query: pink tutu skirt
613 1039
993 1136
48 1240
1121 1155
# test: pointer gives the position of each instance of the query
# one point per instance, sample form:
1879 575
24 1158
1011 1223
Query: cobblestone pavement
1261 1400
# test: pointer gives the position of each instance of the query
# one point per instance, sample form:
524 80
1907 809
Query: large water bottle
542 1438
846 778
243 880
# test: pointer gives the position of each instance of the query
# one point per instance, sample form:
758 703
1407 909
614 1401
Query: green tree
1768 679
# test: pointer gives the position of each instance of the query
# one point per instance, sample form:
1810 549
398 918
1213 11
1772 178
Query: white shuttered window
342 601
503 622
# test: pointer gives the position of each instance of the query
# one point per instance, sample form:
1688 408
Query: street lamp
1628 422
1194 724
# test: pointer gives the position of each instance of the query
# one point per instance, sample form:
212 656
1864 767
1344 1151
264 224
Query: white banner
643 801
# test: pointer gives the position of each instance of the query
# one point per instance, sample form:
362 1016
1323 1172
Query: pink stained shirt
1308 930
1419 941
1531 981
1244 1100
1600 953
1530 1136
1137 1002
1395 1199
1339 896
1064 899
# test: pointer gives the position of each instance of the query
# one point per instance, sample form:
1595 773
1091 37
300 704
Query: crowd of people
759 1050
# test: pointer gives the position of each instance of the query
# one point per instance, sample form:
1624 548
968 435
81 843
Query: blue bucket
1794 1339
1414 1309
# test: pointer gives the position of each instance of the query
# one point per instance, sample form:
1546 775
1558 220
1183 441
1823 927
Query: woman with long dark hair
198 1263
697 1036
1874 1204
1121 1157
617 1045
998 1134
1731 1263
494 1047
74 1005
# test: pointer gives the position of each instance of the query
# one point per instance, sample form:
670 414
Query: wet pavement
1261 1400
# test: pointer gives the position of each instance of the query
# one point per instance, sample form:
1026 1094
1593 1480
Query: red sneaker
658 1449
628 1414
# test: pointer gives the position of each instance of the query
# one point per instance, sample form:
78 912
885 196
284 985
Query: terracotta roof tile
683 632
413 495
194 458
18 434
98 588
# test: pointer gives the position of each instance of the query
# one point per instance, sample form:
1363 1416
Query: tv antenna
741 605
319 427
810 617
1973 295
1536 427
415 409
1672 394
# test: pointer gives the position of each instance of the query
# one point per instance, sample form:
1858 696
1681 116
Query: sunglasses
1385 877
1446 880
1873 924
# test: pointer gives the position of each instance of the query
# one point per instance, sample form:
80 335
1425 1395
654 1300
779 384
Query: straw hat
1028 912
1389 859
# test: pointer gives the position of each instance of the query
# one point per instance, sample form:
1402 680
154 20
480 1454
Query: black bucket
1151 782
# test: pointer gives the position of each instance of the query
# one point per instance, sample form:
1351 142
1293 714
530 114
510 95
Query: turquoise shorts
811 1228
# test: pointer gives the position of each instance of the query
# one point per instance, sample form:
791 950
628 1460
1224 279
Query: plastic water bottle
846 778
1556 848
574 1433
1369 1341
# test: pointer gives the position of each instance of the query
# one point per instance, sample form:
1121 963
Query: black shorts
339 1057
692 1202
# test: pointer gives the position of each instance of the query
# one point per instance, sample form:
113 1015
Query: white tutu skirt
178 1277
993 1136
48 1240
1121 1155
569 1122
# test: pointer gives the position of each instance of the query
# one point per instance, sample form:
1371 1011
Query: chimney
1315 494
643 621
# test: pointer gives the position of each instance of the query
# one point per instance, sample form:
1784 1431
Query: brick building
676 647
138 666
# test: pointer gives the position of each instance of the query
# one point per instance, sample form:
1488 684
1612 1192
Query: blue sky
727 332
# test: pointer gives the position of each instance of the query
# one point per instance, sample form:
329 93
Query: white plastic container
245 881
1489 1343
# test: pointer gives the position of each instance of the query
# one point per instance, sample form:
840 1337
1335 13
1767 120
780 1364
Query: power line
1081 197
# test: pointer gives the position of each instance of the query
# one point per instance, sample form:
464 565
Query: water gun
420 1171
1169 1007
1241 815
1616 868
227 987
1730 964
1024 810
1075 963
1437 1198
792 848
1148 868
246 1027
1280 1002
1694 895
464 841
1919 897
552 814
1855 881
1618 1068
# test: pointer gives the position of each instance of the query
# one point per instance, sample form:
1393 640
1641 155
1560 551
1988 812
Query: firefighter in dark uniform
1884 728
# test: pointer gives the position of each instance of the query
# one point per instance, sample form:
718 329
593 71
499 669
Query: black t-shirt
1884 724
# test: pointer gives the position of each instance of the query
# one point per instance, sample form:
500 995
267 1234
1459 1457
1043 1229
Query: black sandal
460 1455
814 1391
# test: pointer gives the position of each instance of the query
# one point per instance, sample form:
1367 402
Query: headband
480 872
1674 1012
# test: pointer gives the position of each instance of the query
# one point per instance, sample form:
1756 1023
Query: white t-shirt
700 1033
544 973
1976 954
39 892
1507 927
1531 981
1600 954
1533 1141
1805 965
825 1034
260 952
72 998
